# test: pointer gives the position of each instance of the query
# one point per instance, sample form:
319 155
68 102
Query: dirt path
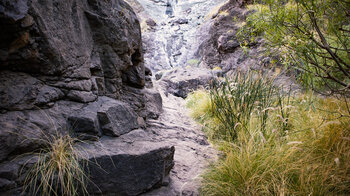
192 151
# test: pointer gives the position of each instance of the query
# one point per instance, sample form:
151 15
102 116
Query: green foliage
303 150
311 36
244 101
193 62
58 169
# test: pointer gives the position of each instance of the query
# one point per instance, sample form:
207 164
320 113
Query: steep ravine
171 36
183 41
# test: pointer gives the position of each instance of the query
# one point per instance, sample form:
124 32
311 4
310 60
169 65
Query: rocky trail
193 153
169 45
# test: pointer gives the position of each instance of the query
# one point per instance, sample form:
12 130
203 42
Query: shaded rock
150 22
159 75
219 46
48 94
14 10
81 96
116 168
6 184
135 76
23 131
227 44
84 123
9 171
17 168
82 85
99 85
38 38
148 71
240 3
116 118
17 134
179 21
20 91
105 116
154 104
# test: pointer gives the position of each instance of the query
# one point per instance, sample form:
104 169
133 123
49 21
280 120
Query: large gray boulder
180 81
118 169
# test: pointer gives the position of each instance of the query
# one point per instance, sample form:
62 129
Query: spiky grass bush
58 169
305 149
245 100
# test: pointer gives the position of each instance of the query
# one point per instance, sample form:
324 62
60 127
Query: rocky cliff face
221 47
170 28
76 66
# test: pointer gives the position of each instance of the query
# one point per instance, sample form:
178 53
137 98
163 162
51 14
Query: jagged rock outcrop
220 47
77 65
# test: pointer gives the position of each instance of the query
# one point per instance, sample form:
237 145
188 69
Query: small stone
27 21
141 122
150 22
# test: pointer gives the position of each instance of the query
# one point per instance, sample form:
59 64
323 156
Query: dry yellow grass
312 158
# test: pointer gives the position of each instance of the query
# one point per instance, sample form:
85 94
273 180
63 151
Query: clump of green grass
303 149
58 169
244 101
193 62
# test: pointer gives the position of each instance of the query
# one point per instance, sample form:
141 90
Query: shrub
217 69
193 62
311 36
244 101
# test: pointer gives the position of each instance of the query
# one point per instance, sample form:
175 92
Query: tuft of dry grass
58 170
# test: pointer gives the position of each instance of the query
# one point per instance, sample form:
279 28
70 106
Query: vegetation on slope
273 143
312 37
